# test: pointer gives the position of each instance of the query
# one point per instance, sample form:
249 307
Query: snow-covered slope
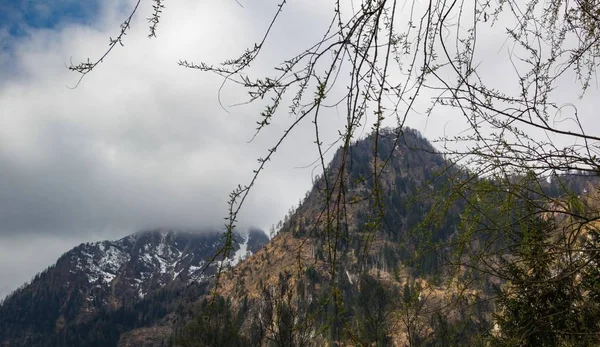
147 261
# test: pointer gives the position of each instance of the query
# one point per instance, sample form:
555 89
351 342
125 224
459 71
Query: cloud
138 136
140 142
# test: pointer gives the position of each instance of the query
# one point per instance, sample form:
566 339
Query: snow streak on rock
147 261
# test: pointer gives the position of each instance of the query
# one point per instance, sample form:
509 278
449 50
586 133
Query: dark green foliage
285 315
544 303
38 309
465 331
313 275
372 308
106 327
214 325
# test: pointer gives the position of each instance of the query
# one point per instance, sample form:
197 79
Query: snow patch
158 263
107 265
195 273
141 293
241 253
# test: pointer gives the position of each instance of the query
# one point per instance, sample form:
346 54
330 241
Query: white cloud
141 142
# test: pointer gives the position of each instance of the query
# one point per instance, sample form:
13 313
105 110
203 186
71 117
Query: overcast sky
141 142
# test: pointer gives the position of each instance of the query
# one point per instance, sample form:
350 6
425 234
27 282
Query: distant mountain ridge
107 275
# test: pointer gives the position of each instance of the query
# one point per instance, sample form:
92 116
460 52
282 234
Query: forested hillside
393 264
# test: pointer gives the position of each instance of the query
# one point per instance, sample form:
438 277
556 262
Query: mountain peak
99 276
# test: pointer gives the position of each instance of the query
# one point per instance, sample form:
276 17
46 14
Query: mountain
367 257
362 260
358 248
145 288
95 279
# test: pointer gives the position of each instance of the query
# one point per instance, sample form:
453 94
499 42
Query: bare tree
388 68
283 316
